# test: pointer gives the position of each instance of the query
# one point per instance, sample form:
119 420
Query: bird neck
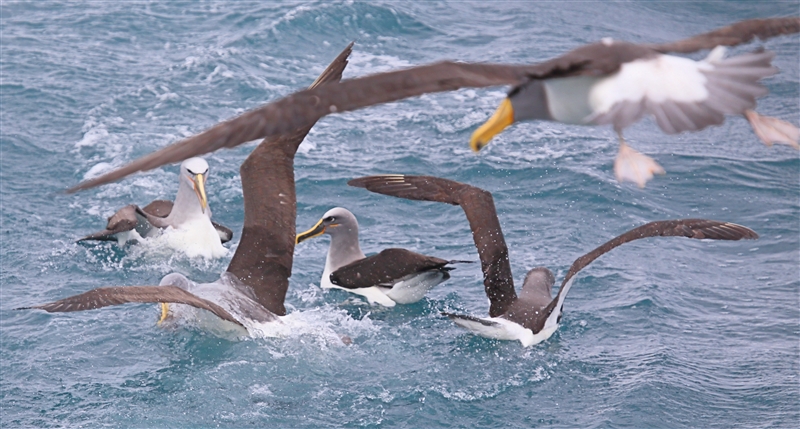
186 206
344 249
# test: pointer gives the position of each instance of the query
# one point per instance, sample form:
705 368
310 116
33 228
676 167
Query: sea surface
658 333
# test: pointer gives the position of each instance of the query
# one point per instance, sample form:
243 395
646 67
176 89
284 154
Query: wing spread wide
116 295
690 228
302 109
732 35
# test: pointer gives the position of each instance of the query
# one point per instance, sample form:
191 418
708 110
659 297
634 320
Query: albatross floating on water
532 316
185 223
252 291
393 276
304 108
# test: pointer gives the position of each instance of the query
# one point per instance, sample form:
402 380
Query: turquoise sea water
658 333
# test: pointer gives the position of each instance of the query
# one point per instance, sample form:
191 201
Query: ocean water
658 333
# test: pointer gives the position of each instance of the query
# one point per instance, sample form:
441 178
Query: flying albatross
393 276
532 316
186 223
304 108
252 291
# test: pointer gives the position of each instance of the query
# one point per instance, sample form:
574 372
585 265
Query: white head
194 173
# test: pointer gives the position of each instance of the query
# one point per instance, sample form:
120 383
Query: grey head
528 309
342 226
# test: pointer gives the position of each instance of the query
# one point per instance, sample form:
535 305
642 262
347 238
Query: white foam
97 170
93 136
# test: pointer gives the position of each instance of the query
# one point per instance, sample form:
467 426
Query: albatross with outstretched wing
254 287
704 87
186 222
533 315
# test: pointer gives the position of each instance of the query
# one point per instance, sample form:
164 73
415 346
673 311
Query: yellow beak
315 231
200 189
503 117
164 312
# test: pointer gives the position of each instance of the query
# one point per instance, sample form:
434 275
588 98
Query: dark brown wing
158 208
478 205
691 228
264 257
304 108
225 233
116 295
386 268
732 35
125 219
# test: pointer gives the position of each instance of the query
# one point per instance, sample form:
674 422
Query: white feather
658 79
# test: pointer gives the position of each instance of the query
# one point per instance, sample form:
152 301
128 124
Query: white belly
502 329
407 291
195 237
413 289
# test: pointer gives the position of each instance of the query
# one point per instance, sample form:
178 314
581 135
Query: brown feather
302 109
116 295
732 35
690 228
265 254
385 268
478 206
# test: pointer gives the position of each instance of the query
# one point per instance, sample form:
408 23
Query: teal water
659 333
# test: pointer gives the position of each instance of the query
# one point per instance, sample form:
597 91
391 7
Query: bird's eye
329 219
190 172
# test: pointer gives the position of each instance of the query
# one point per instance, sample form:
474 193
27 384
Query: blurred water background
658 333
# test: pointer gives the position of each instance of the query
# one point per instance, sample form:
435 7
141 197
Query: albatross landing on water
682 110
393 276
186 223
252 291
534 315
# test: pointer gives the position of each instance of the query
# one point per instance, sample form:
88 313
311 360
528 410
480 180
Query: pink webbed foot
632 166
772 130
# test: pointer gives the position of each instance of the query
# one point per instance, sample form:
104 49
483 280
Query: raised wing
125 219
265 254
732 35
385 268
116 295
690 228
478 205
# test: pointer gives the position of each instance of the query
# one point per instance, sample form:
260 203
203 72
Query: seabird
252 290
586 63
533 315
393 276
185 223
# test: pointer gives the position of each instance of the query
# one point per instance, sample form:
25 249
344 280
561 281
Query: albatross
586 63
185 223
393 276
534 315
251 292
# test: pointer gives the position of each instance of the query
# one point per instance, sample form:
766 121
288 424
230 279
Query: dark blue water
659 333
